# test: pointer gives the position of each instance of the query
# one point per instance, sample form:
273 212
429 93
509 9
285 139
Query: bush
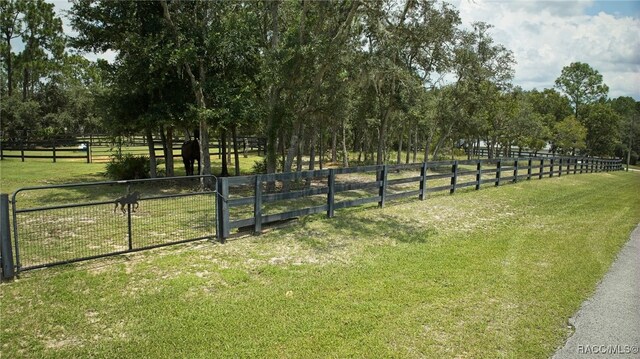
128 166
260 167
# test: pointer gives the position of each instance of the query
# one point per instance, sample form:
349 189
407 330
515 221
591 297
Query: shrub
260 167
128 166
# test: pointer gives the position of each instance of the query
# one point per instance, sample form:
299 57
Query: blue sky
545 36
615 7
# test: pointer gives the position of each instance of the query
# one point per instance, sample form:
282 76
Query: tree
603 129
629 111
569 135
583 85
484 71
145 91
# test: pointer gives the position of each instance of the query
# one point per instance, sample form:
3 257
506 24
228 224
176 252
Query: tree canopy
320 79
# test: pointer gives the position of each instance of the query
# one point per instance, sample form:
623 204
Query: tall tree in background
629 111
583 85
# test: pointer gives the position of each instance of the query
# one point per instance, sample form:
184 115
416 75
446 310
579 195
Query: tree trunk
334 143
223 143
25 83
427 146
300 152
169 153
312 152
415 145
234 134
153 164
382 136
293 146
345 153
321 154
408 147
399 154
9 65
629 152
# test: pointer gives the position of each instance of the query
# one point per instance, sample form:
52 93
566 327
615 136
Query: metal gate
59 224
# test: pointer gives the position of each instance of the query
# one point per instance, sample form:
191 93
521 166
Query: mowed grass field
486 274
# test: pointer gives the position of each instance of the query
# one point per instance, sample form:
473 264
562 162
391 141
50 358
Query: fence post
560 167
129 226
529 164
478 174
22 150
1 151
331 193
257 206
551 168
498 170
53 144
383 188
454 177
423 181
515 171
8 269
223 209
575 165
540 174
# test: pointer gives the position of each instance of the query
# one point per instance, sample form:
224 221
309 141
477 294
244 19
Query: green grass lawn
486 274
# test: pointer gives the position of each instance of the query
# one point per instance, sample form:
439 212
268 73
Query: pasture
493 273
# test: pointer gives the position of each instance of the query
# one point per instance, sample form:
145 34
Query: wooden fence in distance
251 196
97 149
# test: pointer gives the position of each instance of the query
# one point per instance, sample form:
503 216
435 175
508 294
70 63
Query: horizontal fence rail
250 202
99 149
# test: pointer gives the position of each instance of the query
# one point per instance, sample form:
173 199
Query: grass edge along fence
515 168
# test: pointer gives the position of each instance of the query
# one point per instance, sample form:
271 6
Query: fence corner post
331 193
478 174
383 186
498 172
423 181
8 269
454 177
257 206
223 209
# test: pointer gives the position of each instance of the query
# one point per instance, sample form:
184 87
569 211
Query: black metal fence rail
114 217
248 197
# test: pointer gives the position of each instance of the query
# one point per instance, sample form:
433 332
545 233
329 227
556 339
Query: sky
545 36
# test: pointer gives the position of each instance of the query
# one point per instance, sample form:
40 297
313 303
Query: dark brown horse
190 154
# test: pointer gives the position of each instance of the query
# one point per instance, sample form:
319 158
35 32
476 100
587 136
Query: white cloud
545 36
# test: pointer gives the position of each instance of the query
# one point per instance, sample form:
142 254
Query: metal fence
249 202
91 220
